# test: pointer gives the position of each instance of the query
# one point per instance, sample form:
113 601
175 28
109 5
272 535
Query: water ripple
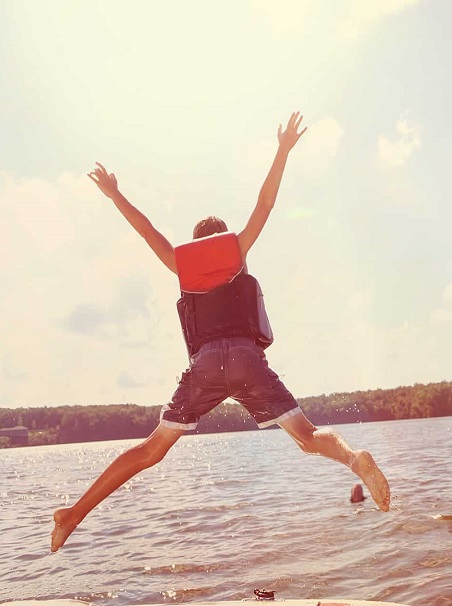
224 514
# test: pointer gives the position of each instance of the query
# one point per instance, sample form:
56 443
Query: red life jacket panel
205 263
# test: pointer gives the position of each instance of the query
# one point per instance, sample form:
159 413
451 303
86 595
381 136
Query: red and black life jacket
218 298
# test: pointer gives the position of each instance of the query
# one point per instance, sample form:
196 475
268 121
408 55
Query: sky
182 101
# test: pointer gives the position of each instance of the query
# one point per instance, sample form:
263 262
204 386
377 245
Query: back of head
208 226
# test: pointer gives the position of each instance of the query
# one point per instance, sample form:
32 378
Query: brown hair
208 226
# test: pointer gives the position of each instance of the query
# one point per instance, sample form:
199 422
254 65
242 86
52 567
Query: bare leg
128 464
328 443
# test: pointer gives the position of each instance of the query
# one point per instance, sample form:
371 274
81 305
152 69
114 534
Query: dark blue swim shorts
231 367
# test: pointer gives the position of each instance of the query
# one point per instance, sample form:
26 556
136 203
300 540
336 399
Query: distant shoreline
92 423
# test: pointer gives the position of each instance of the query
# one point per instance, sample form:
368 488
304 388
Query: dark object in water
263 594
357 494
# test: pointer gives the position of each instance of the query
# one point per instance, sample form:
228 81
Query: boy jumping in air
226 331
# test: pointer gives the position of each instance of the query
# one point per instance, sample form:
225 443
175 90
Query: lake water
223 514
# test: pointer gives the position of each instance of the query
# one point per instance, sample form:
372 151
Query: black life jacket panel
235 309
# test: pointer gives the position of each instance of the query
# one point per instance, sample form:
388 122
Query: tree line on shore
65 424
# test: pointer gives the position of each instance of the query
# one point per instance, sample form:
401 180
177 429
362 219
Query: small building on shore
18 436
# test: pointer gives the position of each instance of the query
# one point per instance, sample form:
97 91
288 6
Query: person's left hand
288 138
107 183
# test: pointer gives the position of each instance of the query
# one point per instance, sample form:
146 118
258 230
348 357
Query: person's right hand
105 182
290 136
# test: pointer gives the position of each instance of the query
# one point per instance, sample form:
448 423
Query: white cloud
367 10
91 317
329 320
285 15
447 295
395 151
125 379
83 300
443 315
315 151
364 12
260 154
319 146
299 212
359 355
359 300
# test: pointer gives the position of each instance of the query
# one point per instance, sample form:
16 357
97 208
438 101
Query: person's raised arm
108 185
269 190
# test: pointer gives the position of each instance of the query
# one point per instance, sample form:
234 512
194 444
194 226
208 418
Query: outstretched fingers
294 124
106 182
292 120
302 132
98 174
297 126
102 168
90 175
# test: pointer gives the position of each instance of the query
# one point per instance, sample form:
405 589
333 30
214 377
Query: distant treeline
63 424
414 402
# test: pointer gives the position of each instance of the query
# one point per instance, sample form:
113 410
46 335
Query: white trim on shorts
174 425
283 417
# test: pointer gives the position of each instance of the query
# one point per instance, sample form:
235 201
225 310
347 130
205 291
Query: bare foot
365 467
65 524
